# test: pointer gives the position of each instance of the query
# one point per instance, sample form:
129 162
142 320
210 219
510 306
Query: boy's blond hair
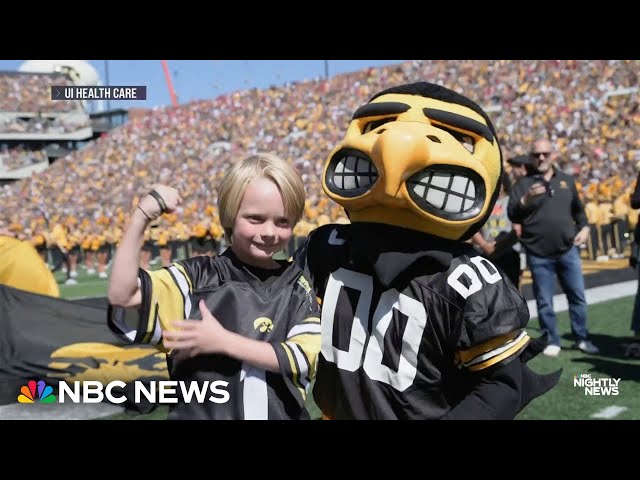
265 165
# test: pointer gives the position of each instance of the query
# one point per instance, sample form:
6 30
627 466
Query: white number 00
350 360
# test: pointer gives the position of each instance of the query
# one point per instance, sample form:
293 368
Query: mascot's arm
505 390
492 349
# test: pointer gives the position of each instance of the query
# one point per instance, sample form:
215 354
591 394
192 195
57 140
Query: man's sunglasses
537 154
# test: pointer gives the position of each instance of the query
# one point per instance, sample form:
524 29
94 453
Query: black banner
50 339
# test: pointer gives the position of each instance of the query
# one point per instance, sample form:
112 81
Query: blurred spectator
554 224
635 317
498 239
31 93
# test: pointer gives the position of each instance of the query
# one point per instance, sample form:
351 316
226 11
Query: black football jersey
409 321
279 308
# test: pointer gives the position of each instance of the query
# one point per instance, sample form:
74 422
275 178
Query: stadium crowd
31 93
589 109
14 158
43 125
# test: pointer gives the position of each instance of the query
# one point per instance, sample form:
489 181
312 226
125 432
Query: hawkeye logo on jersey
596 386
263 324
159 392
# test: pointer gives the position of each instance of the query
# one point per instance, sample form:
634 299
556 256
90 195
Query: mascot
22 267
415 324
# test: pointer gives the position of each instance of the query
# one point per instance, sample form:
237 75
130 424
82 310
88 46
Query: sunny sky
198 79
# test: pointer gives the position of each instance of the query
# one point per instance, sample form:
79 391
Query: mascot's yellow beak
418 156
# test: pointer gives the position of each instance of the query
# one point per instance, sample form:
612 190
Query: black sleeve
577 208
306 257
492 348
501 393
300 257
490 328
635 197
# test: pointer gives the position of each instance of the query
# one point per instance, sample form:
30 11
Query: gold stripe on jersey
466 356
167 298
182 283
152 326
304 338
294 370
184 272
308 325
307 347
303 363
512 350
498 354
310 344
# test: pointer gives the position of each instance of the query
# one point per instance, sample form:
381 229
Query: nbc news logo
93 391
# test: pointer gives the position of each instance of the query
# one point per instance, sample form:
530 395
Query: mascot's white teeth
451 193
353 172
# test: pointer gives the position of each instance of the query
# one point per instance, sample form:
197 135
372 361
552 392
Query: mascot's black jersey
410 322
274 306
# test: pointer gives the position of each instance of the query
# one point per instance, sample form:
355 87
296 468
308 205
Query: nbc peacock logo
44 393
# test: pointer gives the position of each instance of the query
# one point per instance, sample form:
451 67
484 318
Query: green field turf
609 328
88 285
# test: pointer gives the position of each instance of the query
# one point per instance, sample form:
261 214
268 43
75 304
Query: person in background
498 238
521 166
635 248
554 225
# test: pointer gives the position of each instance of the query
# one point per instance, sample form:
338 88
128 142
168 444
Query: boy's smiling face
261 227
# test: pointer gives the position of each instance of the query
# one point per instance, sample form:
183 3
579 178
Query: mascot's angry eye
466 140
375 124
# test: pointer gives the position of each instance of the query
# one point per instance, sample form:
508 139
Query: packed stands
588 108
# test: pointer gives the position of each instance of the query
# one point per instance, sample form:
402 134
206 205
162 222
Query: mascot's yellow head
418 156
